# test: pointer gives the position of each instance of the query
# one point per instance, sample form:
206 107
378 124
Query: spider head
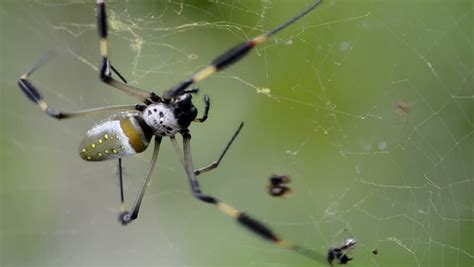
184 109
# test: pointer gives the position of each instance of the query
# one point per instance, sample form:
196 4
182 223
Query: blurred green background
320 104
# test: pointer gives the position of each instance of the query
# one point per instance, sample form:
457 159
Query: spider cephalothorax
166 118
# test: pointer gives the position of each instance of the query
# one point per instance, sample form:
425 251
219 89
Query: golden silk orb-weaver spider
130 131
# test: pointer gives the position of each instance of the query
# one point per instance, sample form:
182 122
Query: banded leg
105 68
35 96
233 55
127 216
243 219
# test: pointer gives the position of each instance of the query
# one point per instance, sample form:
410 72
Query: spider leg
233 55
105 68
120 175
207 103
215 163
35 96
127 216
177 149
251 224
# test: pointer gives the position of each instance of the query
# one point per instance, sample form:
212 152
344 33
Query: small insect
278 185
130 131
340 253
402 108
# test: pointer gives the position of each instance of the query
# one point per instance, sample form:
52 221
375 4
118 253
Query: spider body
130 131
166 118
162 120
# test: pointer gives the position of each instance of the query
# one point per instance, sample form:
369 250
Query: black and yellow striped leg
34 95
105 68
207 103
233 55
127 216
215 163
243 219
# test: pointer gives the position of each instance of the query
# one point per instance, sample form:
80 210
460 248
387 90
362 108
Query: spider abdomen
123 134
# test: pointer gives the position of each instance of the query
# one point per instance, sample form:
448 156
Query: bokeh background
367 105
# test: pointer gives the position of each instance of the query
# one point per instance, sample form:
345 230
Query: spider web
368 106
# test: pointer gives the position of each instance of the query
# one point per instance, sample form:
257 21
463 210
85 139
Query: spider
130 132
